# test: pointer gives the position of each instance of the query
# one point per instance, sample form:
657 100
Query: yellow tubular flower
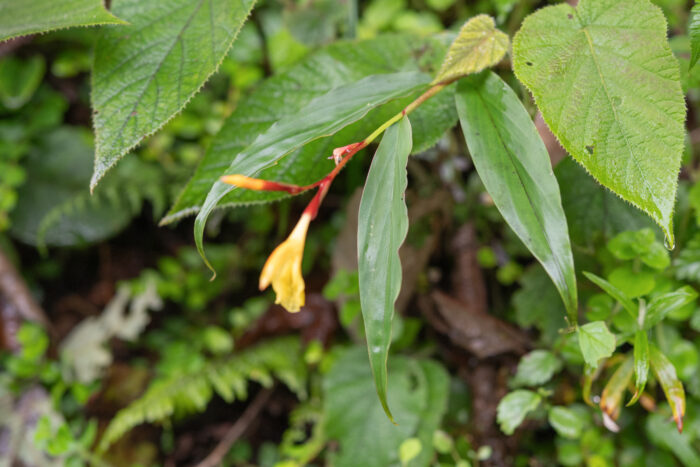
283 268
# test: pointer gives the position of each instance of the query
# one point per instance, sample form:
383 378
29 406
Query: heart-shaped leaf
478 46
607 84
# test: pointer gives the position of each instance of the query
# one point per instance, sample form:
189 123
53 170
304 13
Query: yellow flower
283 268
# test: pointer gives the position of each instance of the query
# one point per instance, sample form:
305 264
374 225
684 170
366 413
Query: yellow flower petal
283 268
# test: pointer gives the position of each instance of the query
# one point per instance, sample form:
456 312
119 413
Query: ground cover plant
331 232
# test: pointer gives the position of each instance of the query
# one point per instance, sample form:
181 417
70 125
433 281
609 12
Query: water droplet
668 243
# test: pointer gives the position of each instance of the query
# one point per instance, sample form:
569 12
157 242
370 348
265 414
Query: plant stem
407 110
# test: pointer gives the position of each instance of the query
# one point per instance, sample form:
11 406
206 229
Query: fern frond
191 392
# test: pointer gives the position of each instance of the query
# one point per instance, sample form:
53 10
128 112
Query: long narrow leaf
612 392
19 18
673 388
382 228
323 116
513 163
662 305
641 364
614 292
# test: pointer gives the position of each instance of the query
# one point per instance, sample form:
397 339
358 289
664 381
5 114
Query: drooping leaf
479 45
611 398
596 342
356 419
19 18
592 210
382 228
513 163
608 86
286 94
323 116
146 72
641 364
673 388
662 305
694 33
514 407
614 292
537 367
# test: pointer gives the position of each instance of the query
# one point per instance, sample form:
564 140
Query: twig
237 429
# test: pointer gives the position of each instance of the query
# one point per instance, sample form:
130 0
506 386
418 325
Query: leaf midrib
540 222
153 75
632 154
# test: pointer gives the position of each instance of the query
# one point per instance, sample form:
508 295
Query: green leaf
596 342
662 305
641 364
681 444
685 358
479 45
610 399
608 86
631 244
19 18
382 228
54 205
687 263
323 116
537 367
284 95
632 283
188 388
438 386
514 407
513 164
672 386
33 341
566 422
355 418
409 450
19 79
146 72
694 33
537 303
592 210
614 292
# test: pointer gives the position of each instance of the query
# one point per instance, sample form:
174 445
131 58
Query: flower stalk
283 267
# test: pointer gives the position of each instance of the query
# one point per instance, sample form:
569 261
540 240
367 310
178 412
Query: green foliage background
563 301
